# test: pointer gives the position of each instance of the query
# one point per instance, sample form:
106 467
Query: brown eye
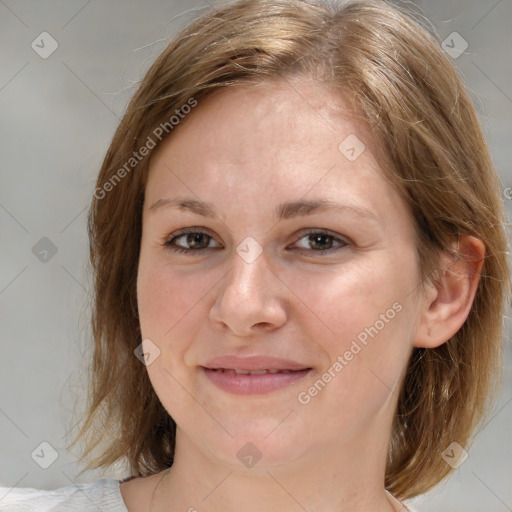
320 241
189 241
196 240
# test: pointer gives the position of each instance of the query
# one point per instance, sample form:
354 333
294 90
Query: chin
256 445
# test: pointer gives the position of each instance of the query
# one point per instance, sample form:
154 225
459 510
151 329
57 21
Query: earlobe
450 295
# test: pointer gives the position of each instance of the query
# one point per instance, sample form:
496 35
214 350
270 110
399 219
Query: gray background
58 115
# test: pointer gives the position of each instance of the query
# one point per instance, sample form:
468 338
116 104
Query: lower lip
253 384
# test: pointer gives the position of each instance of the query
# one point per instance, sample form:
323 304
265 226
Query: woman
300 269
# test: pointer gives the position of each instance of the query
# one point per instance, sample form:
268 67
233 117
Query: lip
254 363
288 372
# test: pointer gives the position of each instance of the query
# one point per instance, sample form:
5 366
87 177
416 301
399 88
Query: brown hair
386 59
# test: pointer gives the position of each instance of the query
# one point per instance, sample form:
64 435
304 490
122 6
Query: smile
250 372
249 382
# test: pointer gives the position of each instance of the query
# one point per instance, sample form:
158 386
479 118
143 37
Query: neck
332 480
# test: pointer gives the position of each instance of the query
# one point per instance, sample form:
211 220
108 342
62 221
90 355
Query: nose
250 299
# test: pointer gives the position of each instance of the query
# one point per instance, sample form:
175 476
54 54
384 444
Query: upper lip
254 363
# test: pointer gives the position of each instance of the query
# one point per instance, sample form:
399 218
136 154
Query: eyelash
169 243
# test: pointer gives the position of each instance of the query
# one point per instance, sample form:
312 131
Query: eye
190 240
320 241
194 240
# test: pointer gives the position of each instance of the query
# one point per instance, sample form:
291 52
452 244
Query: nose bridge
248 275
247 297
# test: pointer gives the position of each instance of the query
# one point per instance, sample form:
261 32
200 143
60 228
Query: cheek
361 318
166 297
155 303
342 303
173 310
169 306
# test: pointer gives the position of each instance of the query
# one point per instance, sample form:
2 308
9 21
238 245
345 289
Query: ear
450 294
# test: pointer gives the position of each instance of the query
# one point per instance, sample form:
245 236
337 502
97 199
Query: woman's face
301 251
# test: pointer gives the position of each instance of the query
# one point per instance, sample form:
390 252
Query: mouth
237 371
253 382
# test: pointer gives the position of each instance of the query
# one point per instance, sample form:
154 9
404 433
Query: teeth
252 372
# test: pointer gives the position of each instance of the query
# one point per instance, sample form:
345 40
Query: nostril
263 325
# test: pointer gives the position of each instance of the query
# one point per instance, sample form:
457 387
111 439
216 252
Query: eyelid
340 239
191 230
321 231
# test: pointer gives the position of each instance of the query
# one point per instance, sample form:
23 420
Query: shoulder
402 506
104 494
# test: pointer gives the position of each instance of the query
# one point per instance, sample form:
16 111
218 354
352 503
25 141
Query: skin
246 150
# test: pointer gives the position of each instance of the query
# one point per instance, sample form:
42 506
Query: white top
104 495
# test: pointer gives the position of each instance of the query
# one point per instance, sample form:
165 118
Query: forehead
269 140
276 115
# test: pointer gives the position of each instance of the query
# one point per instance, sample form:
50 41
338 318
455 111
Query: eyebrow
283 211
